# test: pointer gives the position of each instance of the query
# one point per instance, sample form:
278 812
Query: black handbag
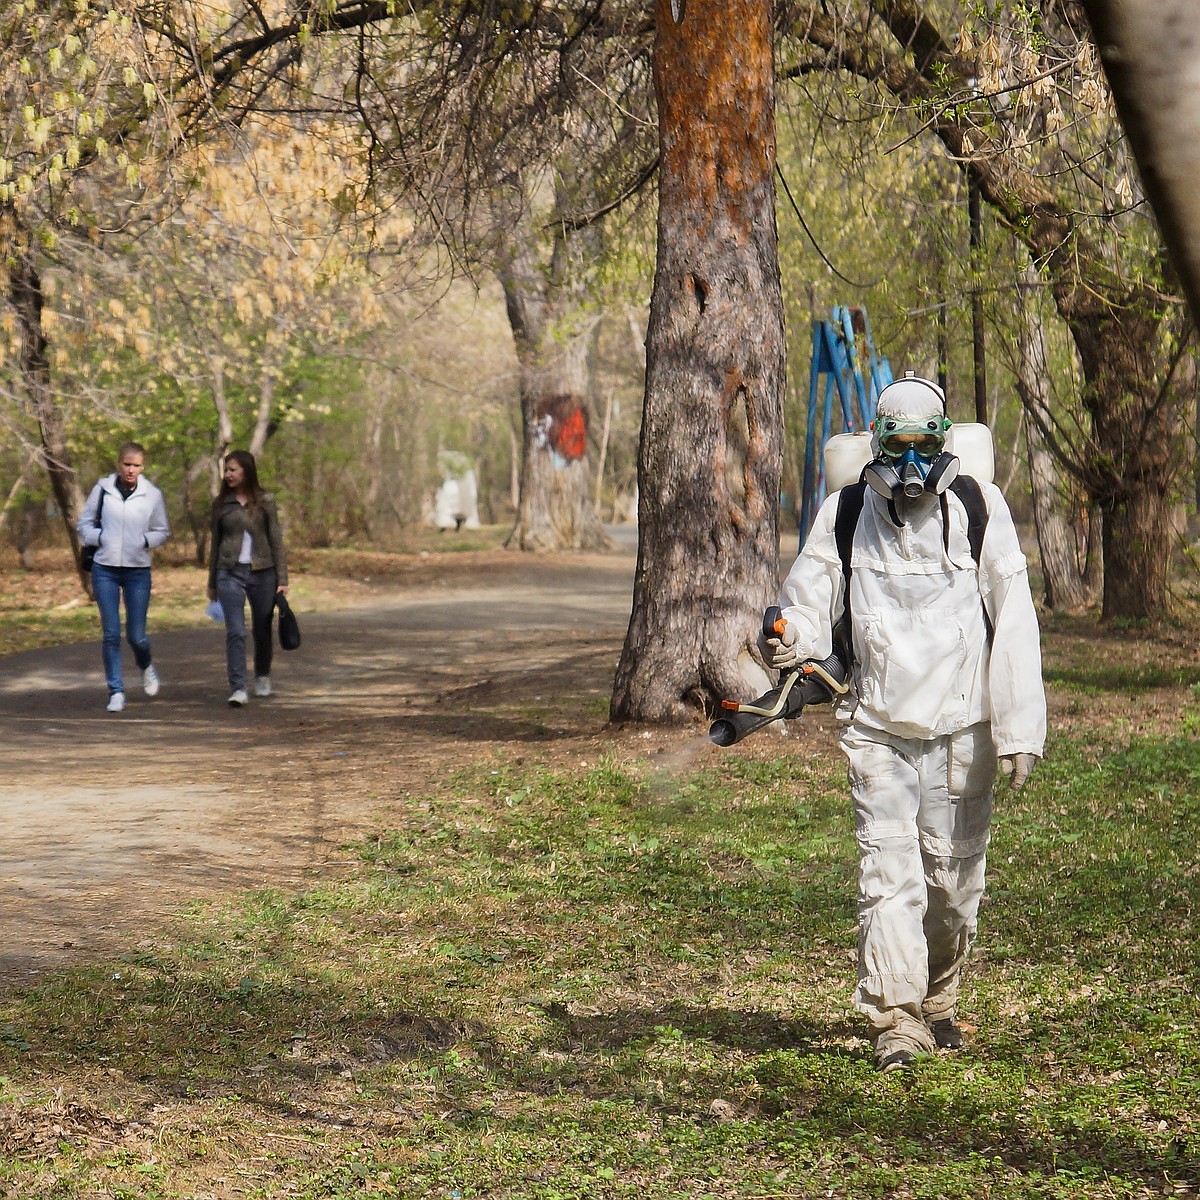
289 627
87 554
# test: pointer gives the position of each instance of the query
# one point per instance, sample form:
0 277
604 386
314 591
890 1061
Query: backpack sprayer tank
846 454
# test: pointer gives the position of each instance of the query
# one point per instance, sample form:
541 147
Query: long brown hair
245 460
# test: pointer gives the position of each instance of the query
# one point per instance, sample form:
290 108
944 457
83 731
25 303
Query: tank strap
970 495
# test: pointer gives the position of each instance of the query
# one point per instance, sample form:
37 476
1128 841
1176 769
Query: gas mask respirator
912 459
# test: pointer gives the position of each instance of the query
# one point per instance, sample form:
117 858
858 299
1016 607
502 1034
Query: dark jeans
107 585
234 588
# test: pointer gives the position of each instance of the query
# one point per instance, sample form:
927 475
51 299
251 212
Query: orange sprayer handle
773 622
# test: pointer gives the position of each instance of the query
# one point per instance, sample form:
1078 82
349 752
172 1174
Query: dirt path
112 822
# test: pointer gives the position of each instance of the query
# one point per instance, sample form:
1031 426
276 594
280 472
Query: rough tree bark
555 510
1062 580
710 453
25 296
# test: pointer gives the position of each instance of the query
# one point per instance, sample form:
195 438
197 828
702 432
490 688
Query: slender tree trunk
27 530
1061 577
198 523
374 461
264 426
555 509
514 463
602 453
25 295
710 452
1064 584
224 428
22 479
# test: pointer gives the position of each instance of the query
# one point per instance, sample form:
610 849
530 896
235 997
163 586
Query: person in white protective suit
947 674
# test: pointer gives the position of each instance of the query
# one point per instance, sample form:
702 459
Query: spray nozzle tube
813 682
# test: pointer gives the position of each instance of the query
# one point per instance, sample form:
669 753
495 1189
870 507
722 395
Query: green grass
617 982
1097 677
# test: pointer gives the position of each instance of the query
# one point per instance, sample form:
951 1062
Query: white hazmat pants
922 811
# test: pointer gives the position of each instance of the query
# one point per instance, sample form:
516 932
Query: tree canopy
220 211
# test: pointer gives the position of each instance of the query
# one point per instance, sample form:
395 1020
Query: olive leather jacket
230 520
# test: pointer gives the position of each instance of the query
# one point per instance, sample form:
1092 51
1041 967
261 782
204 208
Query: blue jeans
234 588
107 585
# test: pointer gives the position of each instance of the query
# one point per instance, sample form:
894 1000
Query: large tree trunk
1138 406
25 295
556 510
710 453
1062 580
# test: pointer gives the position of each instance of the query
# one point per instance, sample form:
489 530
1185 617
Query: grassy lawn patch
614 982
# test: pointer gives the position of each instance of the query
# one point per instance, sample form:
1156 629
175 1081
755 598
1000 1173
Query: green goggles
925 438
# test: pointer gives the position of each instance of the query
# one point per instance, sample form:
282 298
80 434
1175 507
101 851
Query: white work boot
238 698
116 702
150 681
262 685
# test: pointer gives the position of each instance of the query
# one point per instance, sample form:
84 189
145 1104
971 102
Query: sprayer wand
812 682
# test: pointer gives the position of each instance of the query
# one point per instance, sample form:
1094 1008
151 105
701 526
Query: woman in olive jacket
247 561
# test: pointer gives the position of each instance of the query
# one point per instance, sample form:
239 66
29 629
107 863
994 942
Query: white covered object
447 508
845 456
456 504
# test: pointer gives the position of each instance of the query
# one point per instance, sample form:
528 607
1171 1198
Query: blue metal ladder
841 347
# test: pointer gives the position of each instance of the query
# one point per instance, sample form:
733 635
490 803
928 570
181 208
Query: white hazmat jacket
924 667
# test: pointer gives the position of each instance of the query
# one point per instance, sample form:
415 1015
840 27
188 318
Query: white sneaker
116 702
150 681
262 685
238 698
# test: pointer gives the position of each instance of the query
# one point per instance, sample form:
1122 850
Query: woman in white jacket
125 519
947 671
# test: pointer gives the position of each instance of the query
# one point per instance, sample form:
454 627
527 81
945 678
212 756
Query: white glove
781 651
1017 768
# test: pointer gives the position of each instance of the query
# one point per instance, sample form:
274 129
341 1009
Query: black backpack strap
845 522
849 509
970 494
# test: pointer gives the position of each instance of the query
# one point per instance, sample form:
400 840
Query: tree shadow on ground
284 1055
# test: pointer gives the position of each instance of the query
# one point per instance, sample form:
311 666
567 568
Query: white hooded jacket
129 529
924 666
